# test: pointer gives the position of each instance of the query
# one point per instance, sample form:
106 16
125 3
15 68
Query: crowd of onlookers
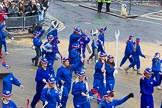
14 8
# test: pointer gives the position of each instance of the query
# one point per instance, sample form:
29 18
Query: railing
22 22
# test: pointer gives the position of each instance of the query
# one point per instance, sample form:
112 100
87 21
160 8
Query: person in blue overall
101 36
74 37
49 50
1 38
98 81
80 92
4 43
37 42
41 78
128 51
136 57
64 78
110 102
9 80
110 80
6 100
83 41
156 67
74 54
147 84
50 95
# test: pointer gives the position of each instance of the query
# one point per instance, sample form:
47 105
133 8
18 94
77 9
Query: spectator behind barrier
13 10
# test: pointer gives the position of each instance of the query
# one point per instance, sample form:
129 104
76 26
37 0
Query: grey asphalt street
71 14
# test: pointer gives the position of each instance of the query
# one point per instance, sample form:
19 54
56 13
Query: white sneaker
121 68
159 87
7 53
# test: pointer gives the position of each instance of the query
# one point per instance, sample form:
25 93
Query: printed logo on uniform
151 82
11 78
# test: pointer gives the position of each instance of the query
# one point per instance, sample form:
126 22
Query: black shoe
33 61
32 106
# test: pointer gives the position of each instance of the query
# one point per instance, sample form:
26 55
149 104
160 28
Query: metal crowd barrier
21 22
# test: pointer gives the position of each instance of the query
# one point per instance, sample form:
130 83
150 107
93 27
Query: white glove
45 103
44 80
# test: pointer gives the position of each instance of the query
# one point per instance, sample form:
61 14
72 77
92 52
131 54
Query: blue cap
109 93
65 58
131 36
35 33
76 30
6 93
110 56
44 60
103 54
101 30
148 71
138 39
81 73
51 80
157 53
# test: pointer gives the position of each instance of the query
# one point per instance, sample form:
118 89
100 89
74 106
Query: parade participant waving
98 85
136 56
41 78
64 78
49 95
156 67
101 36
110 102
74 37
147 85
110 80
128 51
9 80
6 100
80 92
37 42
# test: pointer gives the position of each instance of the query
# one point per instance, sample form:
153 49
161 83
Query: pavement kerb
113 14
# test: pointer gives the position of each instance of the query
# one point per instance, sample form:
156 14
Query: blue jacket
147 85
51 96
74 56
37 42
8 81
102 37
138 52
40 75
65 73
129 48
49 55
113 104
77 88
109 72
11 104
73 40
53 32
156 64
98 73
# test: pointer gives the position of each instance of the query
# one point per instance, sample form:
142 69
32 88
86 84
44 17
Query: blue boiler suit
65 74
9 80
40 75
80 101
156 68
128 52
146 90
98 79
51 96
136 57
110 80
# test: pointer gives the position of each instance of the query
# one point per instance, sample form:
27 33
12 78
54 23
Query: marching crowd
53 88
